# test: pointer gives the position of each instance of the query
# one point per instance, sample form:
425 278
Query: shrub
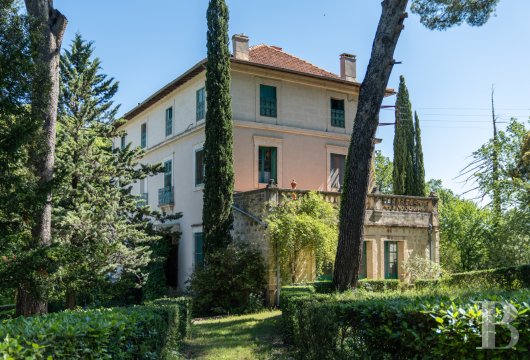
139 332
399 325
379 285
508 278
232 281
420 267
184 305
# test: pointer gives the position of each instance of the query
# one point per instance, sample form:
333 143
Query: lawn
254 336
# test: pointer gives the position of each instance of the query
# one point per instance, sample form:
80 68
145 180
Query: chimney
348 67
240 43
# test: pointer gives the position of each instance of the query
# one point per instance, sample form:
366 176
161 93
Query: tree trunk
47 30
70 299
353 203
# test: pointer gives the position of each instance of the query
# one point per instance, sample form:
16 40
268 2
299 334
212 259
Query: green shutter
169 121
268 101
199 252
274 162
391 259
167 173
143 140
261 165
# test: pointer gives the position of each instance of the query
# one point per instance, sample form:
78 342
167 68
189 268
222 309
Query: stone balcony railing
381 209
381 202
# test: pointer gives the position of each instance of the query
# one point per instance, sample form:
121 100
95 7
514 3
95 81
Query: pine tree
100 226
219 180
403 171
419 170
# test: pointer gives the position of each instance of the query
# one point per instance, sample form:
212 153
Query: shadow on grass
255 336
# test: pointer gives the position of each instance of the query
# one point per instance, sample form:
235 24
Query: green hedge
374 285
152 331
399 326
508 278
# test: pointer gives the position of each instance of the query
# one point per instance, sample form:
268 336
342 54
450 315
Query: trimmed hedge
152 331
508 278
399 325
374 285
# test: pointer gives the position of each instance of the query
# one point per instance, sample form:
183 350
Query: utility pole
495 161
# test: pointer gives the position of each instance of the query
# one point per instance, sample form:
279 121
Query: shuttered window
337 164
268 101
169 121
200 104
143 136
267 164
167 174
199 167
337 113
199 249
391 260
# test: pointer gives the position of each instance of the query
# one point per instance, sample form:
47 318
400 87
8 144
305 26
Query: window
362 274
391 260
167 174
143 190
199 167
336 170
267 164
199 251
201 104
337 113
122 139
169 121
143 137
267 96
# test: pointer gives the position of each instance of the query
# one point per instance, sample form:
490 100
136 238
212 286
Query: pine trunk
48 26
353 204
71 299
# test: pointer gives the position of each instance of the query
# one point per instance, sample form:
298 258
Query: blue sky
146 44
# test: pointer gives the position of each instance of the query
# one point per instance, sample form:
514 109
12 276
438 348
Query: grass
254 336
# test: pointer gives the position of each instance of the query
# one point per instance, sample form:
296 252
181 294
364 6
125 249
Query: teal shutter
391 260
337 113
200 99
122 145
274 162
261 165
199 249
169 121
268 101
167 173
143 140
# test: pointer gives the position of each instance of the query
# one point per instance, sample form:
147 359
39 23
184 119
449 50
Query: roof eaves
166 89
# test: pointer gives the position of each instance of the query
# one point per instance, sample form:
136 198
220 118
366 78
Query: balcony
166 196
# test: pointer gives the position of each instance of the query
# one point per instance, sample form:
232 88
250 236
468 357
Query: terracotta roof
261 55
276 57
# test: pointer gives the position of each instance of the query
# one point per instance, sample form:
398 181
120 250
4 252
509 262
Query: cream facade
303 137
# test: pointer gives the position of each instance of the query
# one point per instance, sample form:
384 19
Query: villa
292 121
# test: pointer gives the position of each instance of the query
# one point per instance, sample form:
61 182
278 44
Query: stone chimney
240 43
348 67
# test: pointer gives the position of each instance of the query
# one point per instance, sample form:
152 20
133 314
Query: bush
184 305
420 267
508 278
379 285
231 282
139 332
399 325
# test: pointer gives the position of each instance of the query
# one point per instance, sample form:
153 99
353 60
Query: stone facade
412 222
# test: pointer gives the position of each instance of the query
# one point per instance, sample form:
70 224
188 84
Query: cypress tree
419 170
219 179
403 170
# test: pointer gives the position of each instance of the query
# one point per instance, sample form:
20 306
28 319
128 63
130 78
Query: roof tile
276 57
